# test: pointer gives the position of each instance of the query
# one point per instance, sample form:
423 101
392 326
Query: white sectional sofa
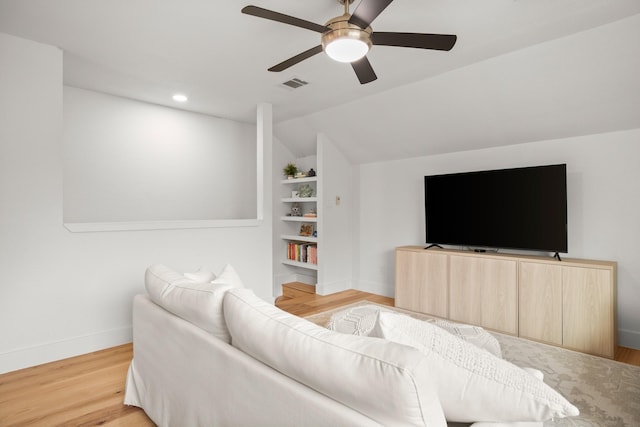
211 353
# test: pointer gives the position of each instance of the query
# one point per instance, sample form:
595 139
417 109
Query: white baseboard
376 288
333 287
49 352
630 339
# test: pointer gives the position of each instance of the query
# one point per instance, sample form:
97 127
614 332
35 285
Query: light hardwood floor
88 390
81 391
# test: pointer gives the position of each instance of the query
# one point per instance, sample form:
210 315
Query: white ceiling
149 49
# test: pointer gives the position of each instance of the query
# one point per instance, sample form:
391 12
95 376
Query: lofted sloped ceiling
522 70
581 84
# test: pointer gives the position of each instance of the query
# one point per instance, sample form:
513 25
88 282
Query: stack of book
303 252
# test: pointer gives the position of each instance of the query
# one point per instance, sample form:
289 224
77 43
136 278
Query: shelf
296 238
299 180
299 219
300 264
300 199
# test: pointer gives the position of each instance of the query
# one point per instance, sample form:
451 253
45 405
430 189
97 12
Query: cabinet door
588 310
421 282
540 302
483 291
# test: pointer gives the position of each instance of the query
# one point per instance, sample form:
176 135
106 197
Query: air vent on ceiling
295 83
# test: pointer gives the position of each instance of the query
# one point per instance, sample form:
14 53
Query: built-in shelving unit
332 202
301 250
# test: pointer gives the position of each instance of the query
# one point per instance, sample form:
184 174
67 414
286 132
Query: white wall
603 207
126 160
335 210
63 293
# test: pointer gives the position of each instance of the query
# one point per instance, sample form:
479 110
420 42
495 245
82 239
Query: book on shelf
302 252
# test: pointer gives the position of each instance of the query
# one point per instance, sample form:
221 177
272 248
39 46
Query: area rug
606 392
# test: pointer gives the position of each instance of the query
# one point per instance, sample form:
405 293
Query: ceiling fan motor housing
340 28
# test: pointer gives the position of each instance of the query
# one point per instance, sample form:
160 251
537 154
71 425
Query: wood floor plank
628 355
68 397
88 390
313 304
84 390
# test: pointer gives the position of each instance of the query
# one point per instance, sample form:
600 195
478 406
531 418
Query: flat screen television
522 208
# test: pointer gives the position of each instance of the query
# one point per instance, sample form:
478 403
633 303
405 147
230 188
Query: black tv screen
521 208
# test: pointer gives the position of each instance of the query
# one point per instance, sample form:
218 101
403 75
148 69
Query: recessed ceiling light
178 97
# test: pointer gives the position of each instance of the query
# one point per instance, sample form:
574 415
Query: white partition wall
334 219
63 293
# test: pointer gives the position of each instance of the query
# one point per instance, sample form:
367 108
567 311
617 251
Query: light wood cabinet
589 310
422 282
540 302
569 303
483 291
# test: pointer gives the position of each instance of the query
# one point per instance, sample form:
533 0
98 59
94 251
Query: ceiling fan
348 37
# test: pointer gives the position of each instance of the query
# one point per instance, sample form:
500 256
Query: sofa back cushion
383 380
197 301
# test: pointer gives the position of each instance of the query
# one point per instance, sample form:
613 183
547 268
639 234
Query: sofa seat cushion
474 385
197 301
385 381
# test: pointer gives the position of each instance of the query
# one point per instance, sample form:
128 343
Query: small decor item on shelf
290 170
294 194
305 190
295 210
310 214
306 230
300 174
311 172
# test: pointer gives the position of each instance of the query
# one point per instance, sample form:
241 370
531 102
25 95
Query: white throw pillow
201 276
358 320
229 277
535 372
382 380
198 303
474 385
472 334
362 319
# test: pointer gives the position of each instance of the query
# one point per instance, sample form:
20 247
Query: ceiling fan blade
367 11
417 40
298 58
285 19
364 70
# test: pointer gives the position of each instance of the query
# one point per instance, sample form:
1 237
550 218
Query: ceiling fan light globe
345 42
346 49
